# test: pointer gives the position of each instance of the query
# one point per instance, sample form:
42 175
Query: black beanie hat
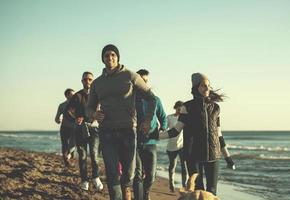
110 47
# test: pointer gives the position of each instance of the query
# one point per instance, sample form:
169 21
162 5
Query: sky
242 46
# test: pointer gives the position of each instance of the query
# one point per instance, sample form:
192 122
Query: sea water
262 158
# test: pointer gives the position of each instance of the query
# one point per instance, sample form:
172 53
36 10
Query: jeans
82 143
146 162
67 142
172 155
210 169
118 145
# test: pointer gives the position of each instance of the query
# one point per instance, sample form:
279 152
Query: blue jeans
118 145
82 142
210 170
146 162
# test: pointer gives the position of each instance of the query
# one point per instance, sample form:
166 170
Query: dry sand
32 175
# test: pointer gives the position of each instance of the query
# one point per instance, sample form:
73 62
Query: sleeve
178 127
58 113
70 110
93 102
161 115
224 149
169 122
183 115
145 93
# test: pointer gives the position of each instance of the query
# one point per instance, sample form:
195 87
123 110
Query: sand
33 175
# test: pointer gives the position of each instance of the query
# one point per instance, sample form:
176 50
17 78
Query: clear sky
243 46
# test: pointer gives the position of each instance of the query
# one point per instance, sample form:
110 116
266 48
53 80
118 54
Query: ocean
262 158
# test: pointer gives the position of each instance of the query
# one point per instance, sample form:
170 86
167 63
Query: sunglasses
87 79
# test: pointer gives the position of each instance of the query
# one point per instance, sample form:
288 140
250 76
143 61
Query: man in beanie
112 104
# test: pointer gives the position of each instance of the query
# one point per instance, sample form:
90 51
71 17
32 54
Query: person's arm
224 149
178 127
93 103
161 115
58 114
71 108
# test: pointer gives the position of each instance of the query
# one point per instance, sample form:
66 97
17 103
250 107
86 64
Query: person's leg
138 179
172 155
196 167
93 146
149 161
127 154
82 151
211 173
71 142
110 149
183 168
64 145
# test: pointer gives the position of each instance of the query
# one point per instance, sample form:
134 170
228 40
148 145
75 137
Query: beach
37 175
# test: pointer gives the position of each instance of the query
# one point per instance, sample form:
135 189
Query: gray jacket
115 93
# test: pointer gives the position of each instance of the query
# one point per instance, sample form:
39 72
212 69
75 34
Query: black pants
210 170
82 142
172 155
67 141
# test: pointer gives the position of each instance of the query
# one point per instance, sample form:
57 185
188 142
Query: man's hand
145 126
99 116
79 120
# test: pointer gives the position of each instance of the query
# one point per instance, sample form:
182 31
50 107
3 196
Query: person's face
87 81
178 109
204 88
110 60
145 78
69 95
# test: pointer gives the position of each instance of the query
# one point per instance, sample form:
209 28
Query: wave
260 157
259 148
29 136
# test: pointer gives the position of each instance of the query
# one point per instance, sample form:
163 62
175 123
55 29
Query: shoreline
38 175
226 190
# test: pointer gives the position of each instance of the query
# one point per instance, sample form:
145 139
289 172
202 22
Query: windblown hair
214 95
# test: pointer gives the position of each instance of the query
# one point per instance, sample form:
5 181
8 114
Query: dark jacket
78 104
201 141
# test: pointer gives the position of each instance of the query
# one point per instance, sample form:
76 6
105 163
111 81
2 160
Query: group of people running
131 120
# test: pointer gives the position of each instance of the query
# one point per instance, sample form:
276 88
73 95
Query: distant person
175 148
203 141
114 91
66 129
146 155
85 135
